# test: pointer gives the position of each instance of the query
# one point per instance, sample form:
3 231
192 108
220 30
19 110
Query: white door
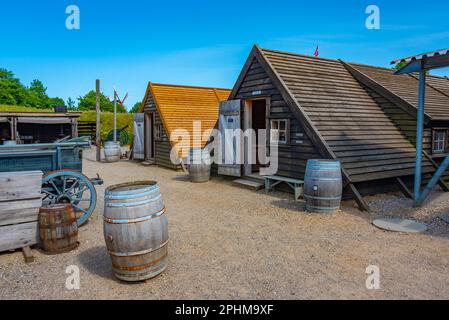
138 146
229 121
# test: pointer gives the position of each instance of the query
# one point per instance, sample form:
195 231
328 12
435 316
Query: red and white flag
317 51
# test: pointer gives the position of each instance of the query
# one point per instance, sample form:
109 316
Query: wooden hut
171 107
322 108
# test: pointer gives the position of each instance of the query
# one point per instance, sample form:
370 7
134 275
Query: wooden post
98 137
115 116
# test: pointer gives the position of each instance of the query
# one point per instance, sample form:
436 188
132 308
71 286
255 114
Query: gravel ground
231 243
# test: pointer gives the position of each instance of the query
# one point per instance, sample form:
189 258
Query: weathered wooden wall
20 200
293 156
162 146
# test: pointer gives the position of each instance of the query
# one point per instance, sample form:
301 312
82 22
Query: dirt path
228 242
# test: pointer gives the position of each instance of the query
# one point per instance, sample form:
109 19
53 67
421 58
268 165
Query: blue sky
128 43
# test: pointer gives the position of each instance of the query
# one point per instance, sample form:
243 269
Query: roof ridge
325 59
187 86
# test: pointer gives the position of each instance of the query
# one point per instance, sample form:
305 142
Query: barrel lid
56 206
132 187
400 225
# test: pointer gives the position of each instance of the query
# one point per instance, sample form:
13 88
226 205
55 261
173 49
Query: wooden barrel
199 165
58 229
136 230
323 186
10 143
112 151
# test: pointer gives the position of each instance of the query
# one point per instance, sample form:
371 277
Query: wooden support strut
28 255
305 121
404 188
441 182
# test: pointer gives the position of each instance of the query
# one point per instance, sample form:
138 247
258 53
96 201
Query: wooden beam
27 254
98 132
359 199
404 188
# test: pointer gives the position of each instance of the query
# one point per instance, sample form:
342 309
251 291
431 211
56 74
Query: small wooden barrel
112 151
323 186
136 230
58 230
199 165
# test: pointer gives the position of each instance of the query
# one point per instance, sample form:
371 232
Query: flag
317 51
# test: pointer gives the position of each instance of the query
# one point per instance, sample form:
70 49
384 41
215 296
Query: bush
107 122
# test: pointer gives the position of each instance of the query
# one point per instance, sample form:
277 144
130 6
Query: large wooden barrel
199 165
58 229
136 230
112 151
323 186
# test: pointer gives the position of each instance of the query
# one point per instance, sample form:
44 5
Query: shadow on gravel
96 260
183 178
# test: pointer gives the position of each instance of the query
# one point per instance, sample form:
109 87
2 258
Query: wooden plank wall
292 157
20 200
163 146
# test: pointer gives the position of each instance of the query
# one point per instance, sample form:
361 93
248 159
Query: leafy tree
39 95
6 74
71 104
88 102
136 108
56 102
400 65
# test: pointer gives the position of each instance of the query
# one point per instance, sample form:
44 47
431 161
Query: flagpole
115 116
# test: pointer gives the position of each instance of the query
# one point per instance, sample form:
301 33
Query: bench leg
298 192
267 185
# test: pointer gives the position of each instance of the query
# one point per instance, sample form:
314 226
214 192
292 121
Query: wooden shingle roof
343 117
439 83
405 88
180 106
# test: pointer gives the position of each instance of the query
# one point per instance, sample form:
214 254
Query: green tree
11 90
136 108
71 104
88 102
6 74
400 65
56 102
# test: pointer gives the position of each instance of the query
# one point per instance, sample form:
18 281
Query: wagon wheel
66 186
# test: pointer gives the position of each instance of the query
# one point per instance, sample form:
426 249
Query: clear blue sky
128 43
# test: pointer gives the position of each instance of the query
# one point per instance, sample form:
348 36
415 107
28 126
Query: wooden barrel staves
136 230
323 186
58 229
112 151
199 165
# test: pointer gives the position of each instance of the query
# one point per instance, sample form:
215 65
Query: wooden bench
295 184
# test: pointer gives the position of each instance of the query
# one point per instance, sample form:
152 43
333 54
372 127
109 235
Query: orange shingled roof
180 106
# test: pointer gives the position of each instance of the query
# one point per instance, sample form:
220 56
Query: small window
158 131
279 131
439 141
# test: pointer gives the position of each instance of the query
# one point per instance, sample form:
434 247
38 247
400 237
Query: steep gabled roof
179 106
439 83
339 116
405 88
